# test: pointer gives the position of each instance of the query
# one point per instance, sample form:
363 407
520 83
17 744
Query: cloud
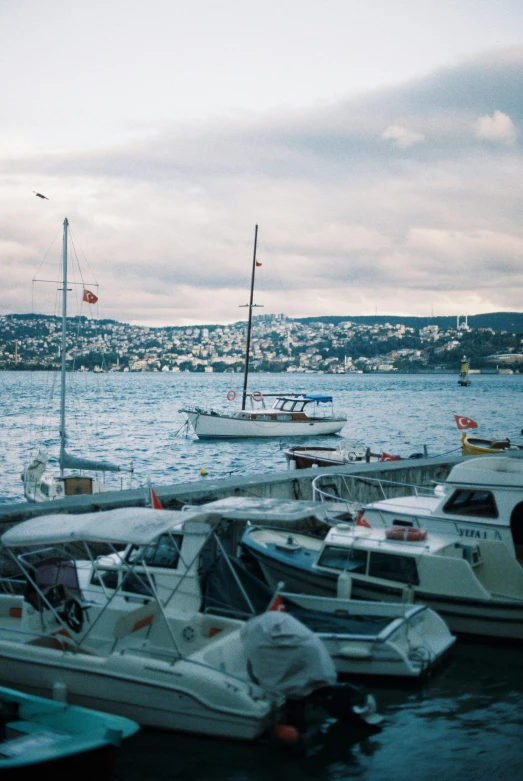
402 136
498 128
348 223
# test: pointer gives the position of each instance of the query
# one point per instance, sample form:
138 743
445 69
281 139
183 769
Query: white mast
64 349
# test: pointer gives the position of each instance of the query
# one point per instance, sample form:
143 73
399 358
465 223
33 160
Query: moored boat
482 498
292 414
125 632
51 736
477 587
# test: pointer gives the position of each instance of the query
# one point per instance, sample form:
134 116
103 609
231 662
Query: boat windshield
163 552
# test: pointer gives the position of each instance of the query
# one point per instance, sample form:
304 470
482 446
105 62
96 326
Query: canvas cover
285 656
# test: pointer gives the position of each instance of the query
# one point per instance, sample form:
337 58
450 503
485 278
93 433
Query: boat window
284 417
278 404
163 552
472 502
399 568
343 559
132 582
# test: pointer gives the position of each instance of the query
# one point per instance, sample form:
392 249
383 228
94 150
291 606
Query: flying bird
39 195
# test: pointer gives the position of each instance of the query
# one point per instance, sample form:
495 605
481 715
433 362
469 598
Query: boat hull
207 425
154 693
479 617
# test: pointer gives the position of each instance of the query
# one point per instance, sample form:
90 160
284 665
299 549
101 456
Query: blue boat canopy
319 398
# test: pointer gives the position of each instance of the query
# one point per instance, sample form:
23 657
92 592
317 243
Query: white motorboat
292 414
481 499
125 632
476 586
363 638
43 486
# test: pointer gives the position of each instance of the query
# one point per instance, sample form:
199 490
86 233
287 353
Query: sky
377 144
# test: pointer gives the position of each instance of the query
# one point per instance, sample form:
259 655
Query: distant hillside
499 321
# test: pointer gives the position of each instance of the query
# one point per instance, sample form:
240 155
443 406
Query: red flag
155 502
258 263
89 297
277 604
463 422
388 457
360 521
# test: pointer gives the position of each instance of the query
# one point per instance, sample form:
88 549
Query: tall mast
64 348
249 324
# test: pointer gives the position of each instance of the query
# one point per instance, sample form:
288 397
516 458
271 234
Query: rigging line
47 253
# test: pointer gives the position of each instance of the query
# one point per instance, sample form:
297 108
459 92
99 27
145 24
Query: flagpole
249 323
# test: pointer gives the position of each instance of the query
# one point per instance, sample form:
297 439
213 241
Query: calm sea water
464 723
135 418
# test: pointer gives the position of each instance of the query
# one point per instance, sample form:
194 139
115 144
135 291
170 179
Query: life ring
73 614
257 396
406 533
231 395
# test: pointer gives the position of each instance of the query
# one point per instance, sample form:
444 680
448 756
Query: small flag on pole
89 297
277 604
463 422
360 521
155 502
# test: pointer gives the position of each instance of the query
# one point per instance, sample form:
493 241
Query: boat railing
351 490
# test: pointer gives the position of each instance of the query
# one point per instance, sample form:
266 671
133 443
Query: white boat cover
125 525
286 656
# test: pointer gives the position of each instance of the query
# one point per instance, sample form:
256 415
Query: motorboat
481 499
76 475
348 452
481 446
291 414
123 629
52 736
475 585
375 640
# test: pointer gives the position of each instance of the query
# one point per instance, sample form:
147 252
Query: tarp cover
285 656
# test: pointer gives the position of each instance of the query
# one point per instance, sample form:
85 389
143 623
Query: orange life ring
231 395
405 533
257 396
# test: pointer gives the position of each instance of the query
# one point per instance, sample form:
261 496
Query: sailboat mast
249 323
64 348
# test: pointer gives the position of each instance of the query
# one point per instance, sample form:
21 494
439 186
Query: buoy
203 471
286 733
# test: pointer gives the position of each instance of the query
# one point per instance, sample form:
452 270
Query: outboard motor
288 658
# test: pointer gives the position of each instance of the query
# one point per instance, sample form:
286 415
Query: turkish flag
277 604
360 521
89 297
463 422
155 502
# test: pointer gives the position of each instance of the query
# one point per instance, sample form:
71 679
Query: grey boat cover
285 656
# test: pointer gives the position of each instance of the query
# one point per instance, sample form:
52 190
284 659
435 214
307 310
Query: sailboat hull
213 425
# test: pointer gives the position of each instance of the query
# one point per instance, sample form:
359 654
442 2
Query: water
464 723
135 418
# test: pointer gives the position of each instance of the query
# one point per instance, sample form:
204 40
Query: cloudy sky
376 143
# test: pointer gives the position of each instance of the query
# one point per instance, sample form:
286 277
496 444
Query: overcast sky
377 144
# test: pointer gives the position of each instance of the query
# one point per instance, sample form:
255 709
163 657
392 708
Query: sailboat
40 486
292 414
463 378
